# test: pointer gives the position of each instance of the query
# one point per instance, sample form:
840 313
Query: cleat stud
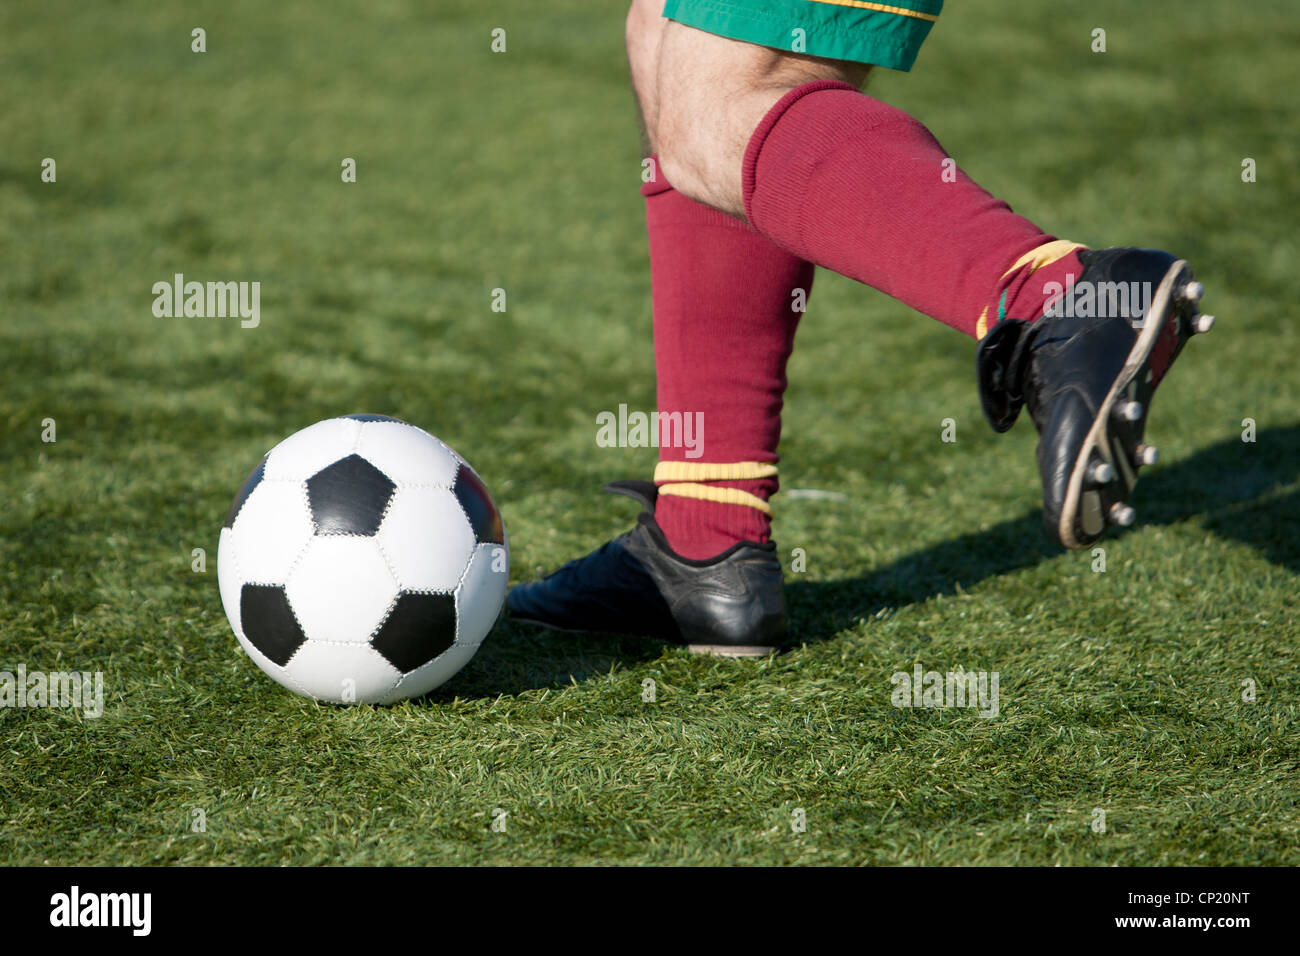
1101 473
1192 292
1147 454
1121 514
1202 323
1128 411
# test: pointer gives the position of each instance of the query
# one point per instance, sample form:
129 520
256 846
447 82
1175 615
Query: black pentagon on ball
477 503
269 622
418 629
252 481
349 497
374 418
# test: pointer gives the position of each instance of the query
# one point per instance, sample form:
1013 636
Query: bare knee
710 94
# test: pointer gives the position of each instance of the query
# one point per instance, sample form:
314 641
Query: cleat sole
1114 437
1128 411
1101 473
1121 514
731 650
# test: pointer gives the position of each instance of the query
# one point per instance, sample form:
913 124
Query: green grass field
1120 691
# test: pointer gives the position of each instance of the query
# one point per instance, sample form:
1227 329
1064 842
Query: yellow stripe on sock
1044 255
882 8
713 471
725 496
1039 256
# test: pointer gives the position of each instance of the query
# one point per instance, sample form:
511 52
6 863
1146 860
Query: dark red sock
724 326
855 185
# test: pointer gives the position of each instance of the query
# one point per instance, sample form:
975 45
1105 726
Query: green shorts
884 34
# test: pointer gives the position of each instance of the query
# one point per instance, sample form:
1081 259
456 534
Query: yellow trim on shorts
880 8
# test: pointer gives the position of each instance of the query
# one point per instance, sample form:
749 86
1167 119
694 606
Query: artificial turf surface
1120 691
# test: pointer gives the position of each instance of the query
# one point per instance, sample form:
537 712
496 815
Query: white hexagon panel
427 538
306 452
341 590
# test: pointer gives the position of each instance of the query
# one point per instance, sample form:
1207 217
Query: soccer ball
362 561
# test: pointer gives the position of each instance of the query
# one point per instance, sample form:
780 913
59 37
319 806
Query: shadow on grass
1236 486
516 658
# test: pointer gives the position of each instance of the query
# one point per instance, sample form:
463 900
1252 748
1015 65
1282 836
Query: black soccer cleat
732 605
1088 370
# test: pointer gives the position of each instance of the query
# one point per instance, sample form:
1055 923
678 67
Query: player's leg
841 178
853 184
642 34
726 305
830 191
